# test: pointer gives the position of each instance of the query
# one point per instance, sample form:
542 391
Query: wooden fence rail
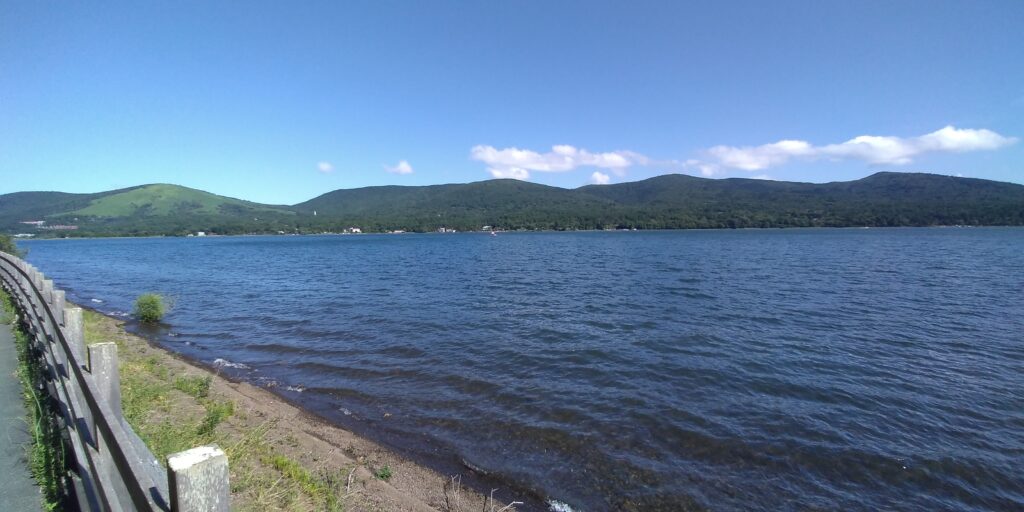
111 469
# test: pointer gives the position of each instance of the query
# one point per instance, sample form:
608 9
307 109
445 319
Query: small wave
224 363
297 389
345 411
173 335
559 506
97 301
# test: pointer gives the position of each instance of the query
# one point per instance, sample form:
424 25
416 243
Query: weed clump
150 308
196 387
384 473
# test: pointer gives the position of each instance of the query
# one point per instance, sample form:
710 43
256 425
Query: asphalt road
17 489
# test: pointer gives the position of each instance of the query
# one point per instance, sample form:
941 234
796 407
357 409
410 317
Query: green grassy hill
158 209
162 199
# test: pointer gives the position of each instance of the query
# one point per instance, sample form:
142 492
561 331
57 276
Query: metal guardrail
111 468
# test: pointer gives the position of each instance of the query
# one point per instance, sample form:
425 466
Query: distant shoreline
253 235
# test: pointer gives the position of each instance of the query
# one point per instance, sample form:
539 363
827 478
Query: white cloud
325 167
403 167
705 168
600 178
869 148
515 173
518 163
760 157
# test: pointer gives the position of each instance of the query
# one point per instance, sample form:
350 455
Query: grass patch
216 412
7 310
46 453
194 386
325 487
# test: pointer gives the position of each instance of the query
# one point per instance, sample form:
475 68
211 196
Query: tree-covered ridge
664 202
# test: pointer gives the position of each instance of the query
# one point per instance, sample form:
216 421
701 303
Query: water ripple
730 370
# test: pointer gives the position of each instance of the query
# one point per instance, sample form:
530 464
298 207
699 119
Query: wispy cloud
705 168
324 167
515 173
518 163
403 167
873 149
600 178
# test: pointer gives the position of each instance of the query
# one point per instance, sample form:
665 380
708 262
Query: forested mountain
670 201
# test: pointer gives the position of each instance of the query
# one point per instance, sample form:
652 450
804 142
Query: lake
853 369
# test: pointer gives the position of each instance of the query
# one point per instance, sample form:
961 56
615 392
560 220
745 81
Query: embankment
280 457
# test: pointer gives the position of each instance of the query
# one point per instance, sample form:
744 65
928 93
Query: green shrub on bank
150 308
384 473
7 245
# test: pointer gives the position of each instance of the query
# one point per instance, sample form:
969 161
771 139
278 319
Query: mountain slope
882 199
143 210
508 203
670 201
164 199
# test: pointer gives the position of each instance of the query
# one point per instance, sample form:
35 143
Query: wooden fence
110 467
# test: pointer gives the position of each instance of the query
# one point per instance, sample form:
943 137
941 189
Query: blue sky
281 101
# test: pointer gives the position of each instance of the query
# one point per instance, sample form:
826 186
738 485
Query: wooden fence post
103 367
74 331
198 480
59 301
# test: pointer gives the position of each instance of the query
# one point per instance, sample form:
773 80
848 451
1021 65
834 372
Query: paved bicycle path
17 489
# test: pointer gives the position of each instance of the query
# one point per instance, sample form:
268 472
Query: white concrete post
198 480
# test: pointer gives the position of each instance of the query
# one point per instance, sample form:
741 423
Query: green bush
7 245
149 308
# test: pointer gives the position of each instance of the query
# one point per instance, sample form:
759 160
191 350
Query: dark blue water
732 370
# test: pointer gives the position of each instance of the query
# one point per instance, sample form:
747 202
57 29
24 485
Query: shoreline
287 235
293 443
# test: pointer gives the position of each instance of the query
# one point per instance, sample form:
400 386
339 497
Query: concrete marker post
198 480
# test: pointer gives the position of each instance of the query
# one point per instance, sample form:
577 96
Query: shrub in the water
149 308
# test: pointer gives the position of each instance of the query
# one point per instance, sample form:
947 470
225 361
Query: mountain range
664 202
